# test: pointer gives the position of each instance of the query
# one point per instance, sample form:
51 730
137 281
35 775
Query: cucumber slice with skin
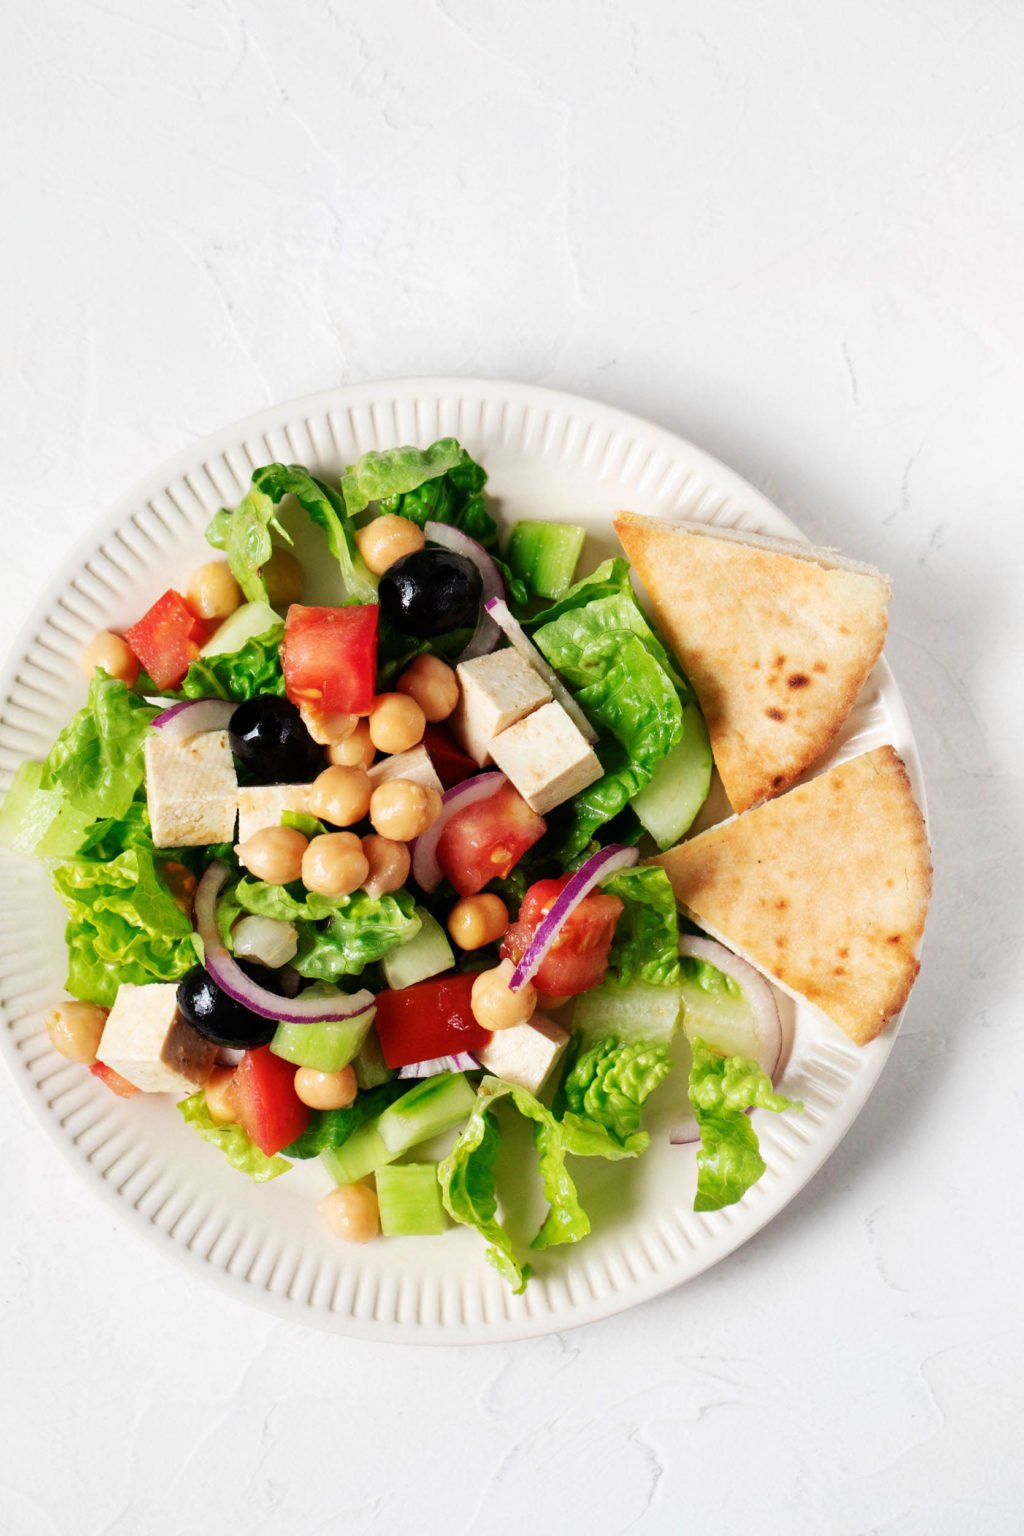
369 1066
668 805
437 1104
409 1197
426 954
717 1010
363 1153
325 1047
544 556
246 623
637 1012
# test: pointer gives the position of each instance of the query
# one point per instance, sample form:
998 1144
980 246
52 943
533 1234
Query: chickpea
340 796
396 722
75 1029
326 1090
114 655
213 592
282 576
433 684
274 854
389 865
352 1212
355 751
181 883
494 1006
477 920
402 810
334 864
386 540
221 1102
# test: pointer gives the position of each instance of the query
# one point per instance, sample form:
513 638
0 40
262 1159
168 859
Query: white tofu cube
148 1041
191 790
494 692
526 1054
414 766
546 757
262 805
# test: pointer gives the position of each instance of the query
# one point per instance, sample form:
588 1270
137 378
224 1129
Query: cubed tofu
148 1041
414 766
262 805
546 757
494 692
191 790
526 1054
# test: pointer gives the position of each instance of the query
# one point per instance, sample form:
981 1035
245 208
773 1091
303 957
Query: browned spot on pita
781 904
820 666
895 938
775 714
799 680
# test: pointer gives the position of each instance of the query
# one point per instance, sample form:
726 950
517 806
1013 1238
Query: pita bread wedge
825 890
777 638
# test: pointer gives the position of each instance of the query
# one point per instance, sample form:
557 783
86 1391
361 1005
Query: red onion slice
607 861
487 634
193 717
462 1061
756 990
521 642
232 979
426 871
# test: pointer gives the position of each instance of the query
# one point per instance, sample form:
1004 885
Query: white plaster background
791 230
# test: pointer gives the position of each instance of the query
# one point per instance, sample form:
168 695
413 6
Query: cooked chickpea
114 655
181 883
477 920
352 1212
274 854
494 1006
389 865
213 592
402 810
355 751
433 684
340 796
396 723
334 864
75 1029
220 1096
282 576
386 540
326 1090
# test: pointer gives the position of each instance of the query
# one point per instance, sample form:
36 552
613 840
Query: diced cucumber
369 1066
326 1047
436 1104
427 953
637 1012
410 1203
245 624
364 1152
668 804
717 1009
544 556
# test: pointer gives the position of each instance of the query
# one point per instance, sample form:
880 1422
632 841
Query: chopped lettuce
604 1093
97 760
40 821
646 943
467 1178
327 508
722 1089
244 536
333 1127
338 935
240 1151
238 675
378 476
455 497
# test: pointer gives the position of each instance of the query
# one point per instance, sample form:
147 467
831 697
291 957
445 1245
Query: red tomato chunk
329 656
167 639
487 839
578 959
270 1112
432 1018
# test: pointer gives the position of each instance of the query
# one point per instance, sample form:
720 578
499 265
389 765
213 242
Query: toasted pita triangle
777 638
825 890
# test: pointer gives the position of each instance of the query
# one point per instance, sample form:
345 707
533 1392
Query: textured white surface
789 231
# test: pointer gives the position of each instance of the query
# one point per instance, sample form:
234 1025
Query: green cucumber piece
246 623
427 953
717 1010
436 1104
544 556
369 1066
326 1047
409 1197
680 783
637 1012
363 1152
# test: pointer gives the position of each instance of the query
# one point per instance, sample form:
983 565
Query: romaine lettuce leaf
359 929
40 821
604 1093
454 497
333 1127
236 1146
244 536
327 508
468 1183
722 1089
239 675
378 476
97 760
646 943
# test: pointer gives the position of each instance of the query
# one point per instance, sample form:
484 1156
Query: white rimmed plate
549 455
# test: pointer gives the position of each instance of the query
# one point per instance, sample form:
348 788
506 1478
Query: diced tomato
329 657
114 1081
167 639
452 764
270 1112
578 959
432 1018
487 839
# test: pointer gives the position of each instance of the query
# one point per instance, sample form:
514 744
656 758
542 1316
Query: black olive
268 736
218 1017
431 592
